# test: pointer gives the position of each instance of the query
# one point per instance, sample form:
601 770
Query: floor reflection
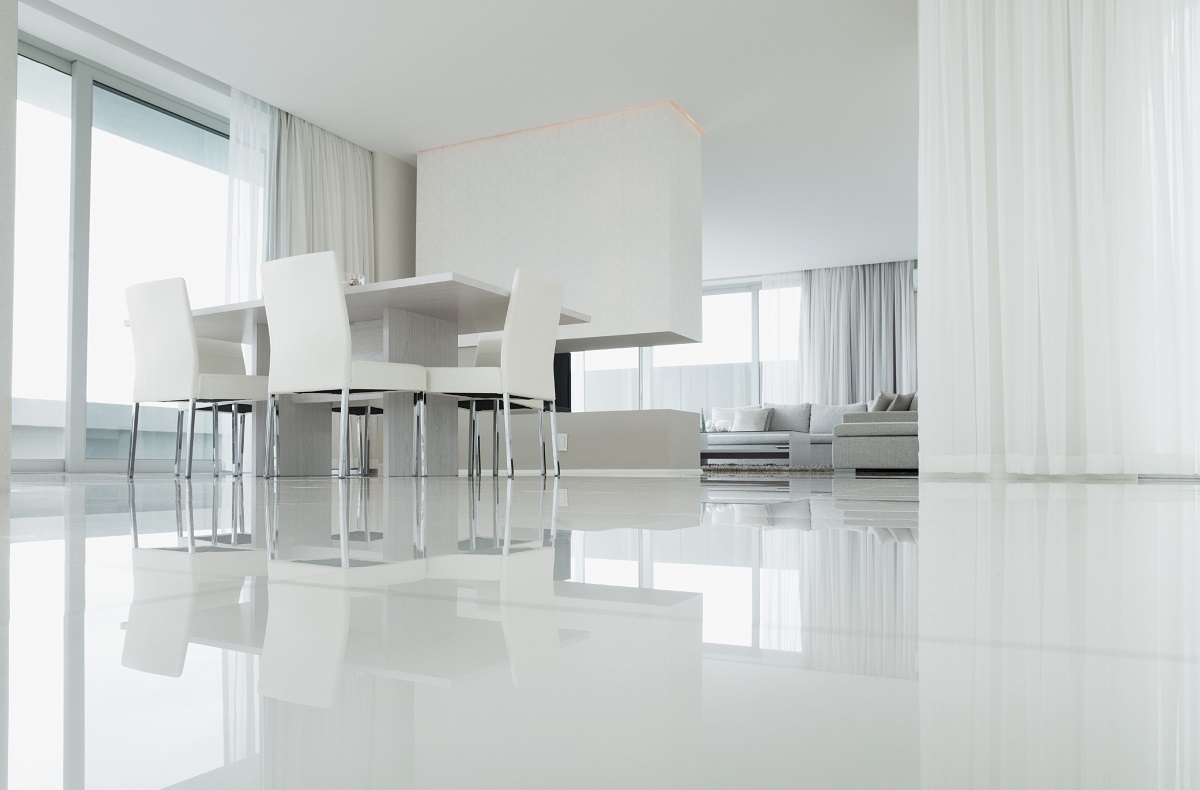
323 633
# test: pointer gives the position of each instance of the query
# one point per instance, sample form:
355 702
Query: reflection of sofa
876 440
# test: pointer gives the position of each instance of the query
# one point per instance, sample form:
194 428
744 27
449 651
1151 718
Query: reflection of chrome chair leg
133 514
508 517
554 513
344 516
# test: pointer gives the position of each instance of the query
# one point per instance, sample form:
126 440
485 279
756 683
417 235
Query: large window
39 361
158 209
155 206
719 371
605 380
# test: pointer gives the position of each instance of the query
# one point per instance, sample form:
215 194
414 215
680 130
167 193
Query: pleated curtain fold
839 335
294 188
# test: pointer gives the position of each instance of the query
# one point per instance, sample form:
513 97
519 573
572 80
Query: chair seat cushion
231 386
386 376
464 381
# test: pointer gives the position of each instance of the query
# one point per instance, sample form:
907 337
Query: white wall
8 148
608 205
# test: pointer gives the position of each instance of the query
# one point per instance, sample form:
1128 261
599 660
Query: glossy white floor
601 633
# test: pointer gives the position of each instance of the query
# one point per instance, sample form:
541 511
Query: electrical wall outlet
562 442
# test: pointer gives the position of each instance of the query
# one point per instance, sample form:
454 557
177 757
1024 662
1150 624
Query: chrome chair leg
344 437
416 434
554 437
216 433
133 438
191 438
495 438
472 428
542 440
178 439
508 434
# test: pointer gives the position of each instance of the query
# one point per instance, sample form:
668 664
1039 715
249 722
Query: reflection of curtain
324 197
253 136
843 599
1060 630
855 333
1059 175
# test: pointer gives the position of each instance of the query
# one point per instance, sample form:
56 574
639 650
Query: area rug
764 470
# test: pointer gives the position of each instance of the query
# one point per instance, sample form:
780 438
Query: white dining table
415 319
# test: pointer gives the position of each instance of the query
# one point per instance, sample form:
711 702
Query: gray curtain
857 328
324 197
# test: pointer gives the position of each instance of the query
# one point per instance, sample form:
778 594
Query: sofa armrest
880 416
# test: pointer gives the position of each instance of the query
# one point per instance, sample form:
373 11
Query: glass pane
779 343
716 372
159 196
604 380
43 216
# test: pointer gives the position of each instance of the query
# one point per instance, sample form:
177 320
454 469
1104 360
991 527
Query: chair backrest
307 320
530 332
487 350
166 364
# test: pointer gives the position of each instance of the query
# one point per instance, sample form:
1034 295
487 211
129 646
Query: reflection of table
417 320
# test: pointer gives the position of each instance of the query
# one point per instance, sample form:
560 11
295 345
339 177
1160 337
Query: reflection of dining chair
172 365
526 365
310 348
170 584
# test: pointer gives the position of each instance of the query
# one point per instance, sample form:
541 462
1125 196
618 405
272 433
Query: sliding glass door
39 381
158 210
116 184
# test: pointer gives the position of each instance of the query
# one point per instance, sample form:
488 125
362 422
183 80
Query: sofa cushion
825 417
876 429
751 419
882 401
789 416
820 438
902 402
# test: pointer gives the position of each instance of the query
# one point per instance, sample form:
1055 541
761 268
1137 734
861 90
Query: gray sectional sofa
802 434
853 437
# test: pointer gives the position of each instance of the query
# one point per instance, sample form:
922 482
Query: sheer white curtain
253 136
1058 175
325 199
838 335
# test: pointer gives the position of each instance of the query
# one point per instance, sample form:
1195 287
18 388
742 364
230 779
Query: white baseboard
601 473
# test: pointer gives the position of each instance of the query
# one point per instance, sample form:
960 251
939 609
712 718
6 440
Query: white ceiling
810 106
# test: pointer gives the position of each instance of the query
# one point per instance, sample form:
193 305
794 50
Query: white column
395 188
8 189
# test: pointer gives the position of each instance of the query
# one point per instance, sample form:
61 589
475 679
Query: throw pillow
718 414
913 406
789 416
722 426
882 401
751 419
902 402
825 417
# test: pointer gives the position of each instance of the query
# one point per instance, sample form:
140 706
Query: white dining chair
526 364
172 365
487 354
310 350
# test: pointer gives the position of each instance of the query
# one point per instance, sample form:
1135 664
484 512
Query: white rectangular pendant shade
608 205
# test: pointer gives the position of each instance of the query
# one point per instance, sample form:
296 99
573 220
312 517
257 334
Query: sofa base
876 452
